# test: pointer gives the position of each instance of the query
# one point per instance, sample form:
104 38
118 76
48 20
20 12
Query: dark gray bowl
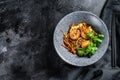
75 17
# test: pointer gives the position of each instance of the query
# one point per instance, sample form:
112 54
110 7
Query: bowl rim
65 60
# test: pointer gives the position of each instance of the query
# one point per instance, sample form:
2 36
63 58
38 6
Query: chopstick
113 38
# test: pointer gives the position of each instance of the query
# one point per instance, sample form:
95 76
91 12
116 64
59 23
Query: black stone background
26 40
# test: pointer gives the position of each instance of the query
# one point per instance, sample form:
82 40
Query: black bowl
76 17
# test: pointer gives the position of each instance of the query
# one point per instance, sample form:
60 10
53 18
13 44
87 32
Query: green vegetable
94 45
101 36
91 48
97 39
81 52
94 42
90 34
91 43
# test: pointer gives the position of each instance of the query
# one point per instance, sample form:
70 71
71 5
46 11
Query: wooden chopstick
113 30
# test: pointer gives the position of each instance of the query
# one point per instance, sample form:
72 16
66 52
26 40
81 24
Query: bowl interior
77 17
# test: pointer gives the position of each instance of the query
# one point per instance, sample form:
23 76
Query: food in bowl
81 39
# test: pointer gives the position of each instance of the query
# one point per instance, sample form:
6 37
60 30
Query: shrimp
74 32
83 35
85 44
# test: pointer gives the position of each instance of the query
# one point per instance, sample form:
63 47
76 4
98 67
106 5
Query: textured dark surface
26 46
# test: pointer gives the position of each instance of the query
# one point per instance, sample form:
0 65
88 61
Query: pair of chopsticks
113 38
